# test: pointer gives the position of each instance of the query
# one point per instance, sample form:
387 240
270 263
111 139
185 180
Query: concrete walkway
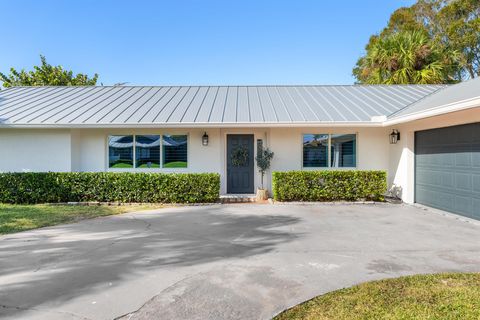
222 261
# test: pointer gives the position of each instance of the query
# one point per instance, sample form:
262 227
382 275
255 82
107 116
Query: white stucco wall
402 154
34 150
86 149
372 146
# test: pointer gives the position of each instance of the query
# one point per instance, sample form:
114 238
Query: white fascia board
198 125
448 108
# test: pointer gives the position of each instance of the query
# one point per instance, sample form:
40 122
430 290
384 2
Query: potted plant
263 159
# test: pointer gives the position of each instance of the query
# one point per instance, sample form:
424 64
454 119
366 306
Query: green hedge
48 187
329 185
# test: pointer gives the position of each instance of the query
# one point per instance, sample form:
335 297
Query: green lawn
440 296
15 218
122 165
153 165
175 164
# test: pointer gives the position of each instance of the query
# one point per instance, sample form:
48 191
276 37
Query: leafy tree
46 75
403 58
459 29
263 159
452 31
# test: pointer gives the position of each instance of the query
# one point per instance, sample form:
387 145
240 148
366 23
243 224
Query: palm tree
407 57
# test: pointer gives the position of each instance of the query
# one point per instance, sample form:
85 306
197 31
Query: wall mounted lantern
205 139
394 136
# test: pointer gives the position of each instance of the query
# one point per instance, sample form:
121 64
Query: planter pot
262 194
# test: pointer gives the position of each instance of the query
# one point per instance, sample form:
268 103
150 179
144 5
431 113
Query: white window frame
329 153
159 169
161 150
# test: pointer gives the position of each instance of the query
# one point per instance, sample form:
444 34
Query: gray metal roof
462 91
197 105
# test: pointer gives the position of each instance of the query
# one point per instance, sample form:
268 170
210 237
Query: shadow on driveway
59 263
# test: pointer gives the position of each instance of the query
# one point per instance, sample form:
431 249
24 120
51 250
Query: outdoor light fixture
394 136
205 139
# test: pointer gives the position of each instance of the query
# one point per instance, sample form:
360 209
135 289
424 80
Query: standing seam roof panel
326 104
25 102
55 106
86 107
311 113
230 108
58 109
152 113
283 113
12 93
294 111
256 110
179 111
94 108
227 104
74 107
123 106
266 104
206 105
128 112
243 111
194 108
218 107
21 112
165 113
340 104
354 100
140 112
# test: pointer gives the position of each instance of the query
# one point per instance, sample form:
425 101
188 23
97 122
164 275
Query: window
315 148
343 148
174 151
147 151
120 151
329 150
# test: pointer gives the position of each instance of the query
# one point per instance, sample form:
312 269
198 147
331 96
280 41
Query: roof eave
448 108
196 125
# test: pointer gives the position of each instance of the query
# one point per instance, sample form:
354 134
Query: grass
16 218
175 164
122 165
438 296
152 165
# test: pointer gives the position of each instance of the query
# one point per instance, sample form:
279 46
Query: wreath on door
239 156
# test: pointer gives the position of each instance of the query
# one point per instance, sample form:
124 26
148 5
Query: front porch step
237 198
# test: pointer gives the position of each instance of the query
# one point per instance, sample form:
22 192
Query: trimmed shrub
48 187
329 185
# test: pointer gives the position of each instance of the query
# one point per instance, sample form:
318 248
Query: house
427 137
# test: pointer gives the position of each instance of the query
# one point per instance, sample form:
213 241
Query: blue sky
194 42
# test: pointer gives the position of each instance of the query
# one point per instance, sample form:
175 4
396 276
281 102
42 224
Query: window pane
120 151
344 150
315 148
147 151
174 151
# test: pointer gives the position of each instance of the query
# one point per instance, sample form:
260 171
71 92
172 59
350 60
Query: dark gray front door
240 163
447 169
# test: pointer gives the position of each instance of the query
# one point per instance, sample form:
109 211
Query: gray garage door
447 169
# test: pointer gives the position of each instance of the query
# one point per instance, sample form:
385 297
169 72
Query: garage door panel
447 169
463 205
476 159
463 159
436 198
476 213
463 181
476 184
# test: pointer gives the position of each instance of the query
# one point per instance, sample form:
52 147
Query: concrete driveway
222 261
